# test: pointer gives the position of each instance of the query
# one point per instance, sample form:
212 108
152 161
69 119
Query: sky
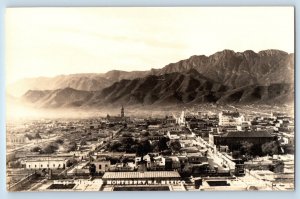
55 41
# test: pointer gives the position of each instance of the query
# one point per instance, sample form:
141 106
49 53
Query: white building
14 138
227 118
46 162
181 119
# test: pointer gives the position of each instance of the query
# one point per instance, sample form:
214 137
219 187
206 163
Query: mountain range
224 77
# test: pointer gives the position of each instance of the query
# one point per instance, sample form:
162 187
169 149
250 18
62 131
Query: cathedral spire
122 111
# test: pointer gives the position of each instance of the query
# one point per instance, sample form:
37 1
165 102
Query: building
14 138
170 120
46 163
122 112
227 118
196 159
118 119
173 135
154 126
148 180
181 119
101 165
222 184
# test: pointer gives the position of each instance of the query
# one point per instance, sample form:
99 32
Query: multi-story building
227 118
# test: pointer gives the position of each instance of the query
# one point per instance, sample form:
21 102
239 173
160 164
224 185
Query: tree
145 134
167 152
82 142
15 164
270 148
236 154
71 162
127 143
288 149
30 137
126 134
36 149
72 146
246 148
175 146
115 146
38 136
50 148
113 160
162 144
143 148
59 141
125 160
92 169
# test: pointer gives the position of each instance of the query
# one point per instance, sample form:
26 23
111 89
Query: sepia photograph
150 99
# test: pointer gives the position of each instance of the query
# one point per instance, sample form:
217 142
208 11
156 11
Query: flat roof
43 159
141 175
254 134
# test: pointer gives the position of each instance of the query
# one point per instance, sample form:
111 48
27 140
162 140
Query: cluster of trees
35 136
249 149
36 149
160 145
59 141
175 146
71 162
82 142
15 164
270 148
124 144
49 148
288 149
127 143
71 146
165 146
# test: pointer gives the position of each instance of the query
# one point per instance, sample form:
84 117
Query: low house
46 163
101 165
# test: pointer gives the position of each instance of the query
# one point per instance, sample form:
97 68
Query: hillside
229 68
237 69
167 89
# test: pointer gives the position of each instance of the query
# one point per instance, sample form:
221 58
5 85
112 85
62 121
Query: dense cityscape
192 150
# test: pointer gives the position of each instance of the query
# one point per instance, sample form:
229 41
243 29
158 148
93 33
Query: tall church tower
122 111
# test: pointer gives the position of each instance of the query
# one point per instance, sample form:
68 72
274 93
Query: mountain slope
229 68
67 97
86 82
272 94
167 89
191 87
239 69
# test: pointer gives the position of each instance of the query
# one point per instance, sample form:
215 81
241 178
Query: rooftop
231 114
42 159
141 175
248 134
